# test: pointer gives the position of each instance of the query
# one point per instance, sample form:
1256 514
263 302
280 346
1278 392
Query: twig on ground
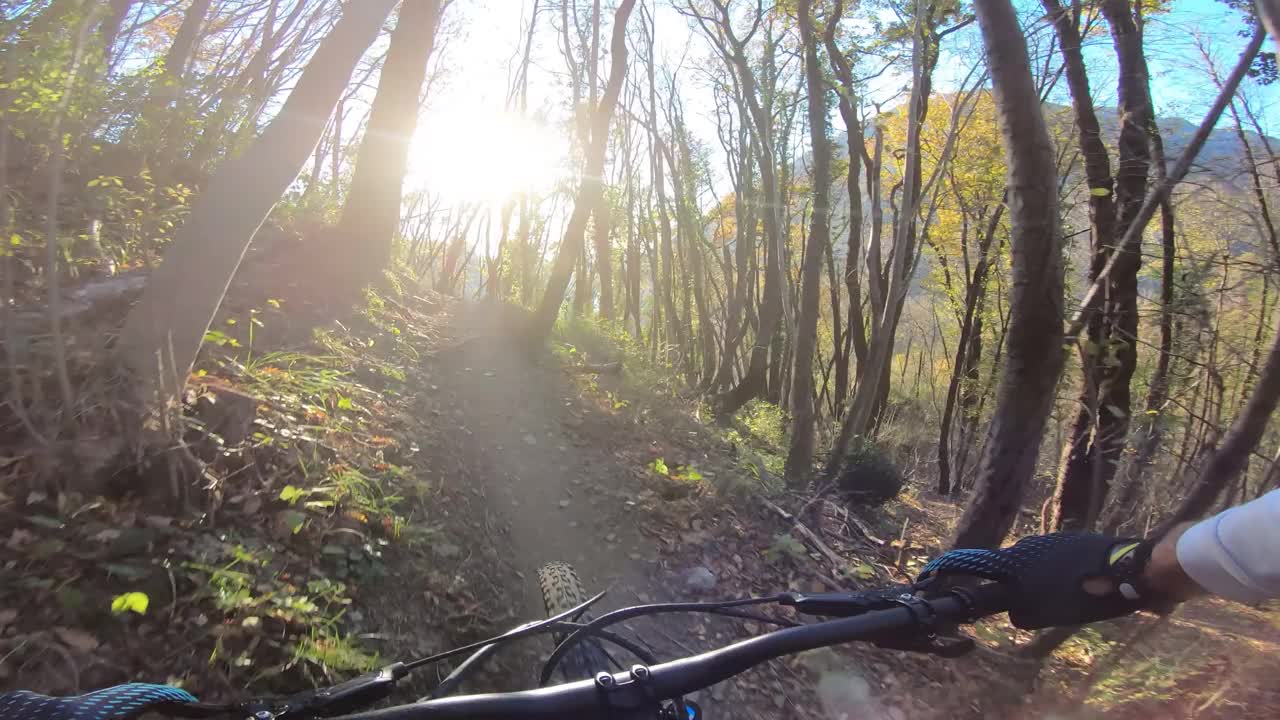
866 531
902 546
609 368
817 543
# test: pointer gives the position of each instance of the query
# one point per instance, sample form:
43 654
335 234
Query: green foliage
337 654
134 602
868 474
785 545
686 473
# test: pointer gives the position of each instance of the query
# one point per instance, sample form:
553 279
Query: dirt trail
545 466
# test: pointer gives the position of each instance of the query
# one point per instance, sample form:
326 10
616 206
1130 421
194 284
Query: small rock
700 579
446 550
573 523
564 503
611 537
529 439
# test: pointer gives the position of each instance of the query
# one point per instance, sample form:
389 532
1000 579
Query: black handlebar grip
981 600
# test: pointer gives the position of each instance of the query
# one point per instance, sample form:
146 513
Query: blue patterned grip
1001 565
121 702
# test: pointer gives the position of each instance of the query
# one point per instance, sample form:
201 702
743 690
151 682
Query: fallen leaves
76 639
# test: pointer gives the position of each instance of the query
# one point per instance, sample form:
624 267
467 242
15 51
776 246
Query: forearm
1234 554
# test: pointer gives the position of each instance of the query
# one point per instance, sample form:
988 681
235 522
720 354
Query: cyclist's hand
1063 578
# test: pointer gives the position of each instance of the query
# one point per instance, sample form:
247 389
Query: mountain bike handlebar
893 619
636 692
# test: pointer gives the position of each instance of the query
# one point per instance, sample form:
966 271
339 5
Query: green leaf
291 494
689 473
294 520
864 571
1099 192
134 602
273 303
659 466
15 240
344 403
217 337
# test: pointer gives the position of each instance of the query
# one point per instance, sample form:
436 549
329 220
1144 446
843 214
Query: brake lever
923 640
340 699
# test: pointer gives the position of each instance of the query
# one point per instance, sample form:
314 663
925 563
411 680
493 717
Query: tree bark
1034 340
109 30
591 187
856 146
1099 432
800 455
184 41
165 329
371 214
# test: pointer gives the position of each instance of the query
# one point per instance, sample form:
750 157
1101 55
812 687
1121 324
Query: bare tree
800 456
165 329
591 185
363 245
1034 340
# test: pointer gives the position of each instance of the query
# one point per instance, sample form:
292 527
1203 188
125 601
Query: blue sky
488 32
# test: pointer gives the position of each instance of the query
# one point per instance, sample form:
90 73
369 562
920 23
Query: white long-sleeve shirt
1236 553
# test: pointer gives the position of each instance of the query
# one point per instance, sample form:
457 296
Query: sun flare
475 155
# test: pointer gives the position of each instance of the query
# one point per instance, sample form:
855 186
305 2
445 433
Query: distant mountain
1222 157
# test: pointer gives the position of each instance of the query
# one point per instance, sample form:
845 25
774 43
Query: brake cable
620 615
521 632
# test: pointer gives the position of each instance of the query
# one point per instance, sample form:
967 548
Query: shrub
868 475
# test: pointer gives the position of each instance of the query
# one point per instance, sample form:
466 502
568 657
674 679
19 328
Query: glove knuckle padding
1047 575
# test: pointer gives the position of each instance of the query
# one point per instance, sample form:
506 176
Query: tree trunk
754 381
960 367
1158 387
1034 340
591 189
872 386
109 30
164 330
800 454
856 146
371 214
1099 432
184 41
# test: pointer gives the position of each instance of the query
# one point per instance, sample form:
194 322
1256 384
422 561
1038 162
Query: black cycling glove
1047 575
